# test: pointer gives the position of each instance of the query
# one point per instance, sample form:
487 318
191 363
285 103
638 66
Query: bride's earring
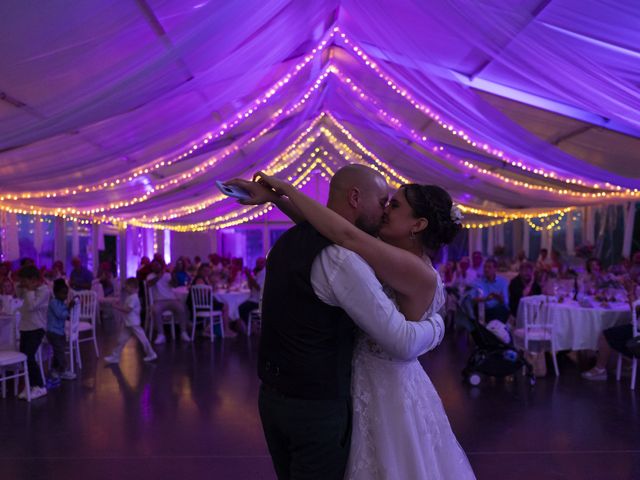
412 236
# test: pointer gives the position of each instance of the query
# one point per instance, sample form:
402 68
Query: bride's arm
403 271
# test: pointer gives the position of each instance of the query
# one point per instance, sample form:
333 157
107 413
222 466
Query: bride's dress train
400 428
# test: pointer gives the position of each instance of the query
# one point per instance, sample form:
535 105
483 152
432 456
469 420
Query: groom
314 293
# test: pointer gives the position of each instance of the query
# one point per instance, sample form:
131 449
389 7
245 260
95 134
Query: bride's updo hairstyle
434 204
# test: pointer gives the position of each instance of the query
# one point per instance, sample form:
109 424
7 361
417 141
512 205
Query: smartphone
233 191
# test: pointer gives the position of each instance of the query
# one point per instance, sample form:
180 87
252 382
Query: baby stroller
494 354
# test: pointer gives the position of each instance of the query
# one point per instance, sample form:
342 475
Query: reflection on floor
193 414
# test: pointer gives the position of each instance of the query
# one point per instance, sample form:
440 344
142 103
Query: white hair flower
456 214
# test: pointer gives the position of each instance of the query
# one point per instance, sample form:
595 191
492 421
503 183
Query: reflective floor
193 414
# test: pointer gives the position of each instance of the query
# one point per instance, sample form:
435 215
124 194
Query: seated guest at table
477 262
495 294
144 269
255 279
80 277
57 315
523 285
595 279
558 268
500 256
106 279
215 263
197 261
610 340
465 276
57 270
447 272
33 320
179 275
202 279
165 299
519 260
543 262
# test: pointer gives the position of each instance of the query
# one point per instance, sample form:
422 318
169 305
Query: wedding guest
495 293
447 272
519 260
57 270
594 279
57 315
165 299
465 276
477 262
144 269
131 326
179 275
523 285
557 267
105 276
543 262
255 279
610 340
80 277
33 320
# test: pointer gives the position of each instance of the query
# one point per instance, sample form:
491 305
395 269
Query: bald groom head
359 194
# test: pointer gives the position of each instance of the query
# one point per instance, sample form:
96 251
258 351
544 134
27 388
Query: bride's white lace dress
400 428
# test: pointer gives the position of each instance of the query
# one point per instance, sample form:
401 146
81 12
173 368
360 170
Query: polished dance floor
193 415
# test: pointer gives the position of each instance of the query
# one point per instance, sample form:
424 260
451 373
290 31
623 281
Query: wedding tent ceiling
127 111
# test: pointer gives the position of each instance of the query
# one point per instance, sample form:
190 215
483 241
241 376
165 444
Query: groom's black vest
305 344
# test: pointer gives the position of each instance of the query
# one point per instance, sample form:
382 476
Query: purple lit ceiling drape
99 90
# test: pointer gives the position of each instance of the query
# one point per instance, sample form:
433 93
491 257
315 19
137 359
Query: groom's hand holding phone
257 193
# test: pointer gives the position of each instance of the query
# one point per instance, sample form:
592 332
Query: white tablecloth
233 301
574 327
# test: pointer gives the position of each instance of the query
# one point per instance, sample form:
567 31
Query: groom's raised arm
342 278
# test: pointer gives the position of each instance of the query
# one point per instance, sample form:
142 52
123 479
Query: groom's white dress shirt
343 279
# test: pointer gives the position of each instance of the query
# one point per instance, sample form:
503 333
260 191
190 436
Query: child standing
57 315
131 309
33 318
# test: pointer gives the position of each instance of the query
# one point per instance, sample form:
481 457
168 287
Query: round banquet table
575 326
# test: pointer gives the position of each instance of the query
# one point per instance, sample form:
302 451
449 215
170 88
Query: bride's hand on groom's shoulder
259 193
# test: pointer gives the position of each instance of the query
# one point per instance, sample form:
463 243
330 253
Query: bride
400 428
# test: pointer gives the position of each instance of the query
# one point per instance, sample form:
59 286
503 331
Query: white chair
202 309
255 319
538 329
634 361
13 364
167 315
88 301
72 331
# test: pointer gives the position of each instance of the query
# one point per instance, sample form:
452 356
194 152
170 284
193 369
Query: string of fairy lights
299 166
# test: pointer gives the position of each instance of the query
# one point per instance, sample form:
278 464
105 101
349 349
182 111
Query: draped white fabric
97 91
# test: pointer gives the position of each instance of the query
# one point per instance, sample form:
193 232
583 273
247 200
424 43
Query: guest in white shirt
255 280
465 276
131 311
477 263
165 299
33 321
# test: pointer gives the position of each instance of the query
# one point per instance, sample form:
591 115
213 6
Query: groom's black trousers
307 439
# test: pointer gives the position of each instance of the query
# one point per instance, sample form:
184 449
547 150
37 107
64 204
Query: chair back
9 331
88 301
202 297
74 320
537 322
